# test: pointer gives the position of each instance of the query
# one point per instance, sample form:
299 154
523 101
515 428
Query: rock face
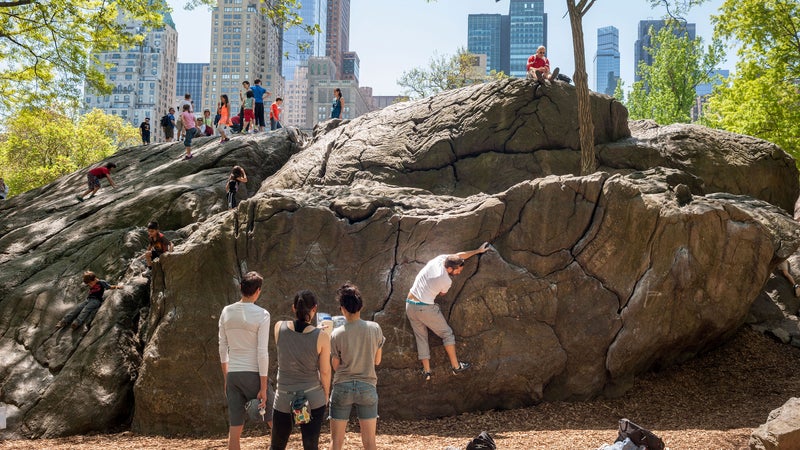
67 382
592 279
782 429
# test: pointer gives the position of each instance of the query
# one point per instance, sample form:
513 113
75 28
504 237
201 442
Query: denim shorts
346 394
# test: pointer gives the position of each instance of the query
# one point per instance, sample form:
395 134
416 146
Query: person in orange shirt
224 117
275 114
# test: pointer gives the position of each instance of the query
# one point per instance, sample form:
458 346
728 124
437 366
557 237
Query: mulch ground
711 402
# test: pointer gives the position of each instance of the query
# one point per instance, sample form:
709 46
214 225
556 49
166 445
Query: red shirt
536 62
274 112
100 172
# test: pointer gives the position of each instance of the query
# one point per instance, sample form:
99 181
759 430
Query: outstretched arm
469 254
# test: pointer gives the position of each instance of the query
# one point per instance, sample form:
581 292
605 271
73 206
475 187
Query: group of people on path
308 354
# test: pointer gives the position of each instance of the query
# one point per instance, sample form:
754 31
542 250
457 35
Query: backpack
484 441
638 435
165 122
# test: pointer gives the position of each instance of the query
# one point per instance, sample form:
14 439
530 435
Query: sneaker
189 156
426 376
225 140
554 76
462 366
79 198
539 76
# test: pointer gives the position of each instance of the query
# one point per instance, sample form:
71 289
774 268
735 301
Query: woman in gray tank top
304 371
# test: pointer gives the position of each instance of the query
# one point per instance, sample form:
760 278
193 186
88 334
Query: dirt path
711 402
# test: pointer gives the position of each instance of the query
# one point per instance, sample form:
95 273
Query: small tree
666 91
444 73
577 9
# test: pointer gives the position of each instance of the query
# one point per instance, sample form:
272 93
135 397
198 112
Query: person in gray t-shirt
356 349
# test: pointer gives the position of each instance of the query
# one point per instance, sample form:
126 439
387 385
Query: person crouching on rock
539 66
84 312
158 243
93 179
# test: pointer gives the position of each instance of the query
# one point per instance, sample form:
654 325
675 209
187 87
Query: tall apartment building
338 32
350 66
143 77
508 40
295 99
488 34
245 45
643 41
607 60
190 81
298 44
527 31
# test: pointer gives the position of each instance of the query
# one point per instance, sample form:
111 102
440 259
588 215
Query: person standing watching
258 96
145 128
435 279
243 354
338 104
304 373
356 349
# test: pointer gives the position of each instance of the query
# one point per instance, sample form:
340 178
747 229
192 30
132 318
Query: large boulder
593 279
60 382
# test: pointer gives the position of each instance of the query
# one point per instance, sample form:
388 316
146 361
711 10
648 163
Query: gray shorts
241 387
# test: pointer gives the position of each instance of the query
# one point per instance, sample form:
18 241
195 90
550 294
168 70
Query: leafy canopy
763 96
666 91
41 145
444 73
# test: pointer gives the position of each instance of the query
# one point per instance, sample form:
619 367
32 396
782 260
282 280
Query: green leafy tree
666 91
762 98
444 73
40 145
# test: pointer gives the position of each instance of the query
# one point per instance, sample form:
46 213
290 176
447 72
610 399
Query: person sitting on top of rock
539 66
159 244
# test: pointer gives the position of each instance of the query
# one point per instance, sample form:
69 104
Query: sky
391 37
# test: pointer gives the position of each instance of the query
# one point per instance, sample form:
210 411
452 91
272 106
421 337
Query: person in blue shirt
258 95
338 104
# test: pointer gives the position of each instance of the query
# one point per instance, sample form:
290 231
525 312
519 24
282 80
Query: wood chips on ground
711 402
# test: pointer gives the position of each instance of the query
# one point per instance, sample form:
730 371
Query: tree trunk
585 123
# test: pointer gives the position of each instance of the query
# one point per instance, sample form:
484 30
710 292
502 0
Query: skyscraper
245 45
298 44
143 77
508 40
484 36
607 60
190 81
643 42
338 32
527 31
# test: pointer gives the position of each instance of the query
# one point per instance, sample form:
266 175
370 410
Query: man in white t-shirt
435 279
243 353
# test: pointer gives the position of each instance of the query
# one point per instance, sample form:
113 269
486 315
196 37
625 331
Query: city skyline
417 30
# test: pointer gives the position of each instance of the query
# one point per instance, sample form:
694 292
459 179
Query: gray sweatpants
423 317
